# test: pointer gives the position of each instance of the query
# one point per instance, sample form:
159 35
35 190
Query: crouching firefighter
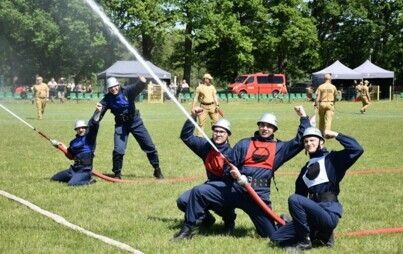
315 207
81 150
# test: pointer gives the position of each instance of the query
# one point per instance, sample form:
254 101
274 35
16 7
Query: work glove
54 142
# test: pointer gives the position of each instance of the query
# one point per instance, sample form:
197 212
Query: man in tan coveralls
41 94
325 99
207 95
365 96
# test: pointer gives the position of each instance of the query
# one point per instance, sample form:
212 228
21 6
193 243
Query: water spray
122 39
129 47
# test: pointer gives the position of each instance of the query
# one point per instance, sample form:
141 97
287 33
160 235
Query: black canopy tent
338 71
342 77
377 76
134 69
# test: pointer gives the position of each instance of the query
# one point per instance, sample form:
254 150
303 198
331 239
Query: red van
259 83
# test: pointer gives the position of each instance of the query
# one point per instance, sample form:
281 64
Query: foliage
188 37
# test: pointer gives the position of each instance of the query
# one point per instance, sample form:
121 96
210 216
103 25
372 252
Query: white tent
370 71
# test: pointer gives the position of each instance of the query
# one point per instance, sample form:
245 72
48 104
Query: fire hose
249 188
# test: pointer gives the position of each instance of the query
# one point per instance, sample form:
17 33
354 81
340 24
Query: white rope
64 222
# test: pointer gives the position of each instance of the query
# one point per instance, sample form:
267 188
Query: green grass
145 216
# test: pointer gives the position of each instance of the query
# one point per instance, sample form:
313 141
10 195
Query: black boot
117 162
209 220
184 233
157 173
300 246
326 239
229 227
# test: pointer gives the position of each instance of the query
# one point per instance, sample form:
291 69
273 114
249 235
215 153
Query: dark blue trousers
228 194
309 219
228 214
74 176
143 138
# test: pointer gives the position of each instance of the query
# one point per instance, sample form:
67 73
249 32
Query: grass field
144 214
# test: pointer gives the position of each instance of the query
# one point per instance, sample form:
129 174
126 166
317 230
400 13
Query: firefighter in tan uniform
358 88
365 97
325 99
41 94
207 95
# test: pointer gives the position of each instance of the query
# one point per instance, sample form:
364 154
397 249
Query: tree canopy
56 38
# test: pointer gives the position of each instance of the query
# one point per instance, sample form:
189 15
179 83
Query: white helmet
268 118
312 132
112 81
223 123
80 123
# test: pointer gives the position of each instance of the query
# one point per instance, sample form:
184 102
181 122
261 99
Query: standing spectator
207 95
365 96
185 87
72 86
90 89
41 95
253 160
315 208
61 86
326 96
120 100
52 89
81 150
214 165
358 88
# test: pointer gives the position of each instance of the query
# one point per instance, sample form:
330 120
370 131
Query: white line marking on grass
64 222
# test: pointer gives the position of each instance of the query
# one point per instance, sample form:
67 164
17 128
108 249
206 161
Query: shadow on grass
214 230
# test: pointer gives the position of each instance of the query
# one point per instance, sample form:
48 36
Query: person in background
90 89
326 96
315 208
365 96
41 95
61 86
207 95
214 165
81 150
52 89
120 100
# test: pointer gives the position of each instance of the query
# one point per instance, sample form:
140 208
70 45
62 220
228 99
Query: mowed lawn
144 214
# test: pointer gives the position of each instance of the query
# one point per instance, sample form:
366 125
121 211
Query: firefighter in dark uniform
120 100
81 150
315 208
256 158
213 163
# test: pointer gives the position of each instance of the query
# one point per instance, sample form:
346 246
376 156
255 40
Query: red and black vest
214 163
260 154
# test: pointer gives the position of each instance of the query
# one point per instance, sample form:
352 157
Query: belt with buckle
207 103
259 182
323 197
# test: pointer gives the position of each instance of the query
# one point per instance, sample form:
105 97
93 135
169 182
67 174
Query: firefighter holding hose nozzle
81 150
256 158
